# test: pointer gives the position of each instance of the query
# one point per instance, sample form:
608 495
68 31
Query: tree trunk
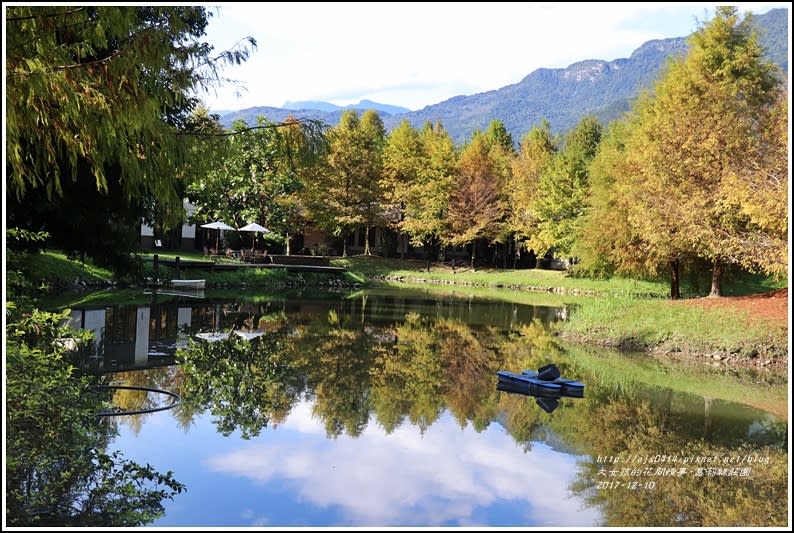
675 278
473 252
516 254
344 243
366 241
716 280
286 248
402 246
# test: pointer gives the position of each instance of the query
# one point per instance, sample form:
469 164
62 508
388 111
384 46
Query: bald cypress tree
704 131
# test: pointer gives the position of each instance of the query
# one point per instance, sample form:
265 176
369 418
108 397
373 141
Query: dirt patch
770 306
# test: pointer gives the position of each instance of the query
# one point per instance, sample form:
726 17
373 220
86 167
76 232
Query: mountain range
562 96
363 105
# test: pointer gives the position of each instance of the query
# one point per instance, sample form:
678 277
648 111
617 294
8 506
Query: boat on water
545 381
188 283
172 291
568 385
214 336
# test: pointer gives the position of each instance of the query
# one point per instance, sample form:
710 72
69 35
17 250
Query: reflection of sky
294 476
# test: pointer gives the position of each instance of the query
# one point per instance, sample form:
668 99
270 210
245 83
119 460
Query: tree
417 176
607 241
257 177
498 134
345 194
537 149
759 192
371 199
562 189
476 207
98 100
705 126
104 87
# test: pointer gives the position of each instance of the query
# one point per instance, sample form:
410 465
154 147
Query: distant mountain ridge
562 96
363 105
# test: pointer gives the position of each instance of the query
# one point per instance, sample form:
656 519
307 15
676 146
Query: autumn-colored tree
535 153
608 240
703 128
402 165
344 193
759 191
477 209
503 154
417 175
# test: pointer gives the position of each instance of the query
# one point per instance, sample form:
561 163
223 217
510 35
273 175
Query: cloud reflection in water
447 477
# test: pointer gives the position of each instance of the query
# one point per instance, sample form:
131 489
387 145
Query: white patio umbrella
218 225
253 226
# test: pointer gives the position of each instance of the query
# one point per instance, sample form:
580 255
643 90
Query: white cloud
410 479
418 54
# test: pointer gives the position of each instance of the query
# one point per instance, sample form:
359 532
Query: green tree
418 172
99 101
257 178
56 472
537 149
499 136
345 194
562 190
106 88
708 113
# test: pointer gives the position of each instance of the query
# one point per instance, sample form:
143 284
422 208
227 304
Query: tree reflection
407 381
697 494
615 420
242 382
414 369
337 355
58 472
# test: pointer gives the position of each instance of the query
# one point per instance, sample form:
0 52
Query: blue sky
418 54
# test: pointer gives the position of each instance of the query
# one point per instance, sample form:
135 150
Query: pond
381 409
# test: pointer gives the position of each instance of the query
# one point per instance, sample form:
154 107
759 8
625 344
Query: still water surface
380 408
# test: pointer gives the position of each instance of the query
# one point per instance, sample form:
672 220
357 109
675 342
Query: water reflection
445 475
146 335
380 411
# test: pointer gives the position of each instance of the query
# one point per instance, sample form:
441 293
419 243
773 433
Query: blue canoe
568 385
533 382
